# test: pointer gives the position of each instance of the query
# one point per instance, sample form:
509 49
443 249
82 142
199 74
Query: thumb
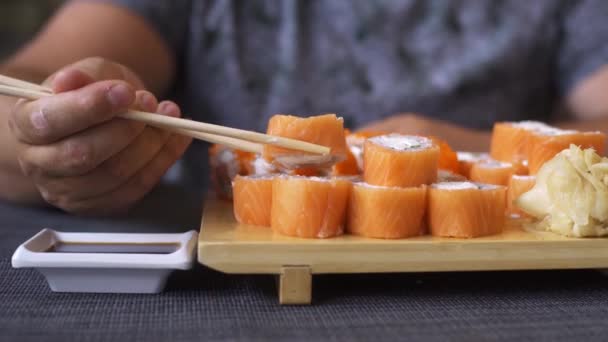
70 79
90 70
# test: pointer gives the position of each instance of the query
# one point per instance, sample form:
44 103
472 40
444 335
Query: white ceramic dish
106 262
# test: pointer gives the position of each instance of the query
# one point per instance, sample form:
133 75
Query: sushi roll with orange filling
517 186
510 139
309 207
225 164
492 172
400 160
252 199
386 212
466 209
544 145
326 130
466 160
355 142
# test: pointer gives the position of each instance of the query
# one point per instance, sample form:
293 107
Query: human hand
459 138
81 157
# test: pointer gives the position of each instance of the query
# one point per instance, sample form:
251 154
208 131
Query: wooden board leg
295 285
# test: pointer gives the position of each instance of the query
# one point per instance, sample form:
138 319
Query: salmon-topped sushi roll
466 160
544 145
400 160
309 207
466 209
386 212
510 139
355 142
225 164
517 186
492 172
326 130
252 199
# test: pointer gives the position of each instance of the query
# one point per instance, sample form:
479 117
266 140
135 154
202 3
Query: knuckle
52 198
91 101
76 156
27 123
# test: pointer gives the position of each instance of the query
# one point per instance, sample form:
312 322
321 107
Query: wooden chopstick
168 121
234 143
238 144
210 131
29 94
17 83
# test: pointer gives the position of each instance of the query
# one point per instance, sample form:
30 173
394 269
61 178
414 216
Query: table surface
206 305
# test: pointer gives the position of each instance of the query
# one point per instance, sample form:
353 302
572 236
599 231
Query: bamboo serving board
229 247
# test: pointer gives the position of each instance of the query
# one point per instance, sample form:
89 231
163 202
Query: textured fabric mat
205 305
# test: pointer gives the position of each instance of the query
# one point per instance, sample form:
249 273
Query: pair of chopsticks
239 139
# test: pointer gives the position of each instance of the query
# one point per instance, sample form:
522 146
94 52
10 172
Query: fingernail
39 120
119 95
146 102
162 108
169 109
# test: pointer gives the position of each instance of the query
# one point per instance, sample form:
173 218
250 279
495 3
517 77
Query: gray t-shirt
471 62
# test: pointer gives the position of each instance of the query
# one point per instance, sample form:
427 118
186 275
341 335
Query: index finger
52 118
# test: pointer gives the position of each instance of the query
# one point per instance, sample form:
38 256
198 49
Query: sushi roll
326 130
467 159
466 209
309 207
386 212
492 172
225 164
355 142
510 139
400 160
517 186
252 199
544 145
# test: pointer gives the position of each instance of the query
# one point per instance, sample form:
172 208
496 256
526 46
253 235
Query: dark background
20 19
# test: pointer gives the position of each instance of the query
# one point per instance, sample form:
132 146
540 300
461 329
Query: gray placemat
206 305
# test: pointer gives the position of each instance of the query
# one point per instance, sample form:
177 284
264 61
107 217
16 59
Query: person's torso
472 62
